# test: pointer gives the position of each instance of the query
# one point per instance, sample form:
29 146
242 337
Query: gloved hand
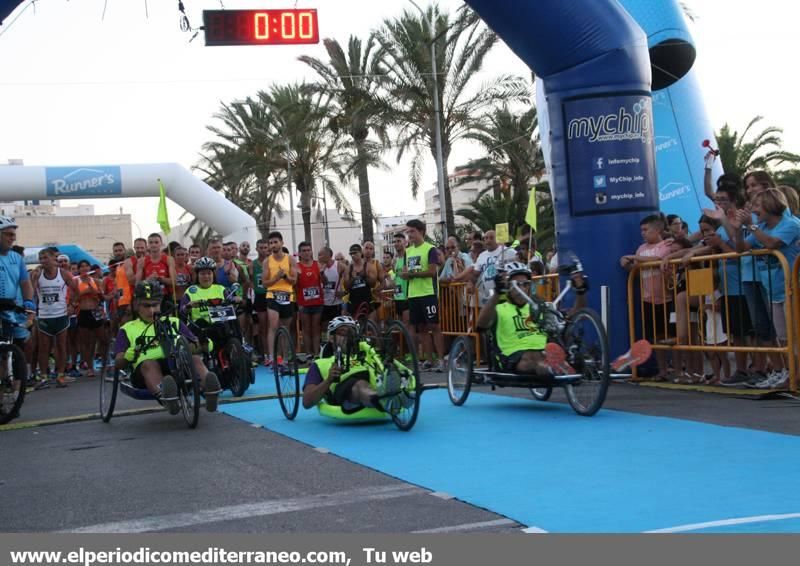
500 282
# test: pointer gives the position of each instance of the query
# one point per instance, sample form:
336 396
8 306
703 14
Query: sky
80 87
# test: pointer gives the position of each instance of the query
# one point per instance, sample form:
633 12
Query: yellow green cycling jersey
515 331
195 293
149 349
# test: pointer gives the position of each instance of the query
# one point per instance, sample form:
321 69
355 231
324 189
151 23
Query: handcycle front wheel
398 349
238 367
586 344
109 387
13 380
368 330
188 382
459 370
287 374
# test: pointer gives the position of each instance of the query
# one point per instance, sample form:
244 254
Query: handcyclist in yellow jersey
520 341
278 278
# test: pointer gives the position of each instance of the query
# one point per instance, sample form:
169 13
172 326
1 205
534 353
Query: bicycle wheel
188 382
287 375
459 370
541 393
238 367
369 331
13 379
586 344
398 349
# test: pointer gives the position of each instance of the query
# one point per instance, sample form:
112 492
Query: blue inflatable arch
594 62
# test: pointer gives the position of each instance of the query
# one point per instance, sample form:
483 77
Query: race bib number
311 293
330 286
359 283
414 263
282 297
49 298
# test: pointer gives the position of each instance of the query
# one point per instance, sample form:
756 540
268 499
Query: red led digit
288 25
306 25
261 26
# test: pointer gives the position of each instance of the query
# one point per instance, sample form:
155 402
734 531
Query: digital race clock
260 27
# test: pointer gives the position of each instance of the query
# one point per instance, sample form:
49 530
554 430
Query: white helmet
516 268
205 263
7 222
340 321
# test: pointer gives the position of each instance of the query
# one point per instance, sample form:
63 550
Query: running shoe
638 354
212 391
169 395
556 358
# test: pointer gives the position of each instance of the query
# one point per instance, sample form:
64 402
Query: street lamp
437 116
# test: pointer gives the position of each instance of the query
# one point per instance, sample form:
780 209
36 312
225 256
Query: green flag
162 218
530 216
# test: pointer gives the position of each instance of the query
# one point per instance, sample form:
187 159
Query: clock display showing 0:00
260 27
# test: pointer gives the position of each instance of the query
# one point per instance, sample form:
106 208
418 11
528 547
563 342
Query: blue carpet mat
545 467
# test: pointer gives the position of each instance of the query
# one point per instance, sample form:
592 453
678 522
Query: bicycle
580 334
13 367
178 354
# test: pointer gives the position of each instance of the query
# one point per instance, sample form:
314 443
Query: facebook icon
599 163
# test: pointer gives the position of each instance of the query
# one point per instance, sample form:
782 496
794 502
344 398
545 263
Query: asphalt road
148 472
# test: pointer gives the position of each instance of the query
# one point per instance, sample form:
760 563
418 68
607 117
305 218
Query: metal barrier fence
710 304
458 312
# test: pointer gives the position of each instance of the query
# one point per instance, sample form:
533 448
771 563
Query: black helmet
148 290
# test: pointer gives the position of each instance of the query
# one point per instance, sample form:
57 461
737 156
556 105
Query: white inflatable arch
138 180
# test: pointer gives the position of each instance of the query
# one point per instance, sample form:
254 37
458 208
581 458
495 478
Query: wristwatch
753 227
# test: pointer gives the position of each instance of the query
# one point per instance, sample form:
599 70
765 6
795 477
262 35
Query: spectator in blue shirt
15 283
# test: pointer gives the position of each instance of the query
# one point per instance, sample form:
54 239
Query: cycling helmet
516 268
205 263
7 222
340 321
148 290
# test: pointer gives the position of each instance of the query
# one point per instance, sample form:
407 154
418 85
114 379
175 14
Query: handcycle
398 362
229 358
178 355
580 334
13 367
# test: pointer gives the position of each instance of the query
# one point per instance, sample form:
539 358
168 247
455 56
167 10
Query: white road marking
247 510
442 495
726 522
469 527
533 530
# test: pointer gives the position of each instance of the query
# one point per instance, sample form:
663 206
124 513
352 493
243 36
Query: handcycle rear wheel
13 379
188 382
586 344
541 393
459 370
287 374
238 367
398 349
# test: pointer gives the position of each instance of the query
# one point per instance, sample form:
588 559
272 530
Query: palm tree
242 162
260 139
762 151
300 125
514 155
351 81
461 47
